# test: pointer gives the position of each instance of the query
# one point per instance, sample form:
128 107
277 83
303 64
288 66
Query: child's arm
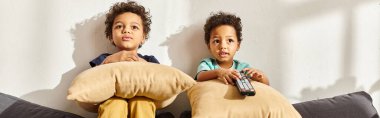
225 75
257 75
123 56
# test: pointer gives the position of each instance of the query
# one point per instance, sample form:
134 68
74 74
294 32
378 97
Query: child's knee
115 101
113 108
141 101
141 107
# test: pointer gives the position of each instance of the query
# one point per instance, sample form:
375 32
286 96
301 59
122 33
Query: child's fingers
230 80
260 76
122 56
134 57
108 60
249 72
105 61
255 75
141 59
223 80
246 69
235 75
129 57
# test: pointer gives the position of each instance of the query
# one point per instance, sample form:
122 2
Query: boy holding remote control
223 37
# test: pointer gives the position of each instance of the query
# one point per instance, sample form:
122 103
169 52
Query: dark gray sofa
352 105
13 107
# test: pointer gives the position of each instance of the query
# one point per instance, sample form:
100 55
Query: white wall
309 49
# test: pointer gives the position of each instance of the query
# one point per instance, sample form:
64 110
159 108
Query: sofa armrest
13 107
352 105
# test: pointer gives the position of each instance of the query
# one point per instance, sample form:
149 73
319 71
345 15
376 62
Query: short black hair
123 7
222 18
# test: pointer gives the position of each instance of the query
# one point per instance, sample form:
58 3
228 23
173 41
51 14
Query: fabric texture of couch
352 105
13 107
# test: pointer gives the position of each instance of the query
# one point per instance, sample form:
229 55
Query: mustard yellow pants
137 107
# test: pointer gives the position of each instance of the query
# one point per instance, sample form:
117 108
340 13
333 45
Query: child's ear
238 47
143 40
111 41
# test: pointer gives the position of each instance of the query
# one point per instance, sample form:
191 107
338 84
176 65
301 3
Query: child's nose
126 30
223 45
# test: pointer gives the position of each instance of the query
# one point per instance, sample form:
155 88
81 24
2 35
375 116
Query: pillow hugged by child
214 96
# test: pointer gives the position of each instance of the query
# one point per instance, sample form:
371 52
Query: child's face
223 43
127 31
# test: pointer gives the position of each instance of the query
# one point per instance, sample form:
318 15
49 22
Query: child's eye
216 41
118 26
135 27
231 40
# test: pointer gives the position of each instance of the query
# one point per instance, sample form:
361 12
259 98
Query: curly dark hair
122 7
222 18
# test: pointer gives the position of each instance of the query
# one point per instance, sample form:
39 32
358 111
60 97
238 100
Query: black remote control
244 85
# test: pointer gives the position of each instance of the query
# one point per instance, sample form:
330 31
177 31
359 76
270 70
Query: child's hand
255 74
227 75
122 56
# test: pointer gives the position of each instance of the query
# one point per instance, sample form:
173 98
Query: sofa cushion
353 105
12 107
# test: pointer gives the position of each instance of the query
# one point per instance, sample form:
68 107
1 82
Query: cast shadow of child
89 42
185 49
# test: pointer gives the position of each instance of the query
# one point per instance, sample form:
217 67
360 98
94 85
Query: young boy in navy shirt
127 27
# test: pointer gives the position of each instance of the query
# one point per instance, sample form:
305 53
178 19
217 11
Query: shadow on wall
185 49
89 42
346 84
341 86
375 87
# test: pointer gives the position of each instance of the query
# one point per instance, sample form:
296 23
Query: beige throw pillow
213 99
128 79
